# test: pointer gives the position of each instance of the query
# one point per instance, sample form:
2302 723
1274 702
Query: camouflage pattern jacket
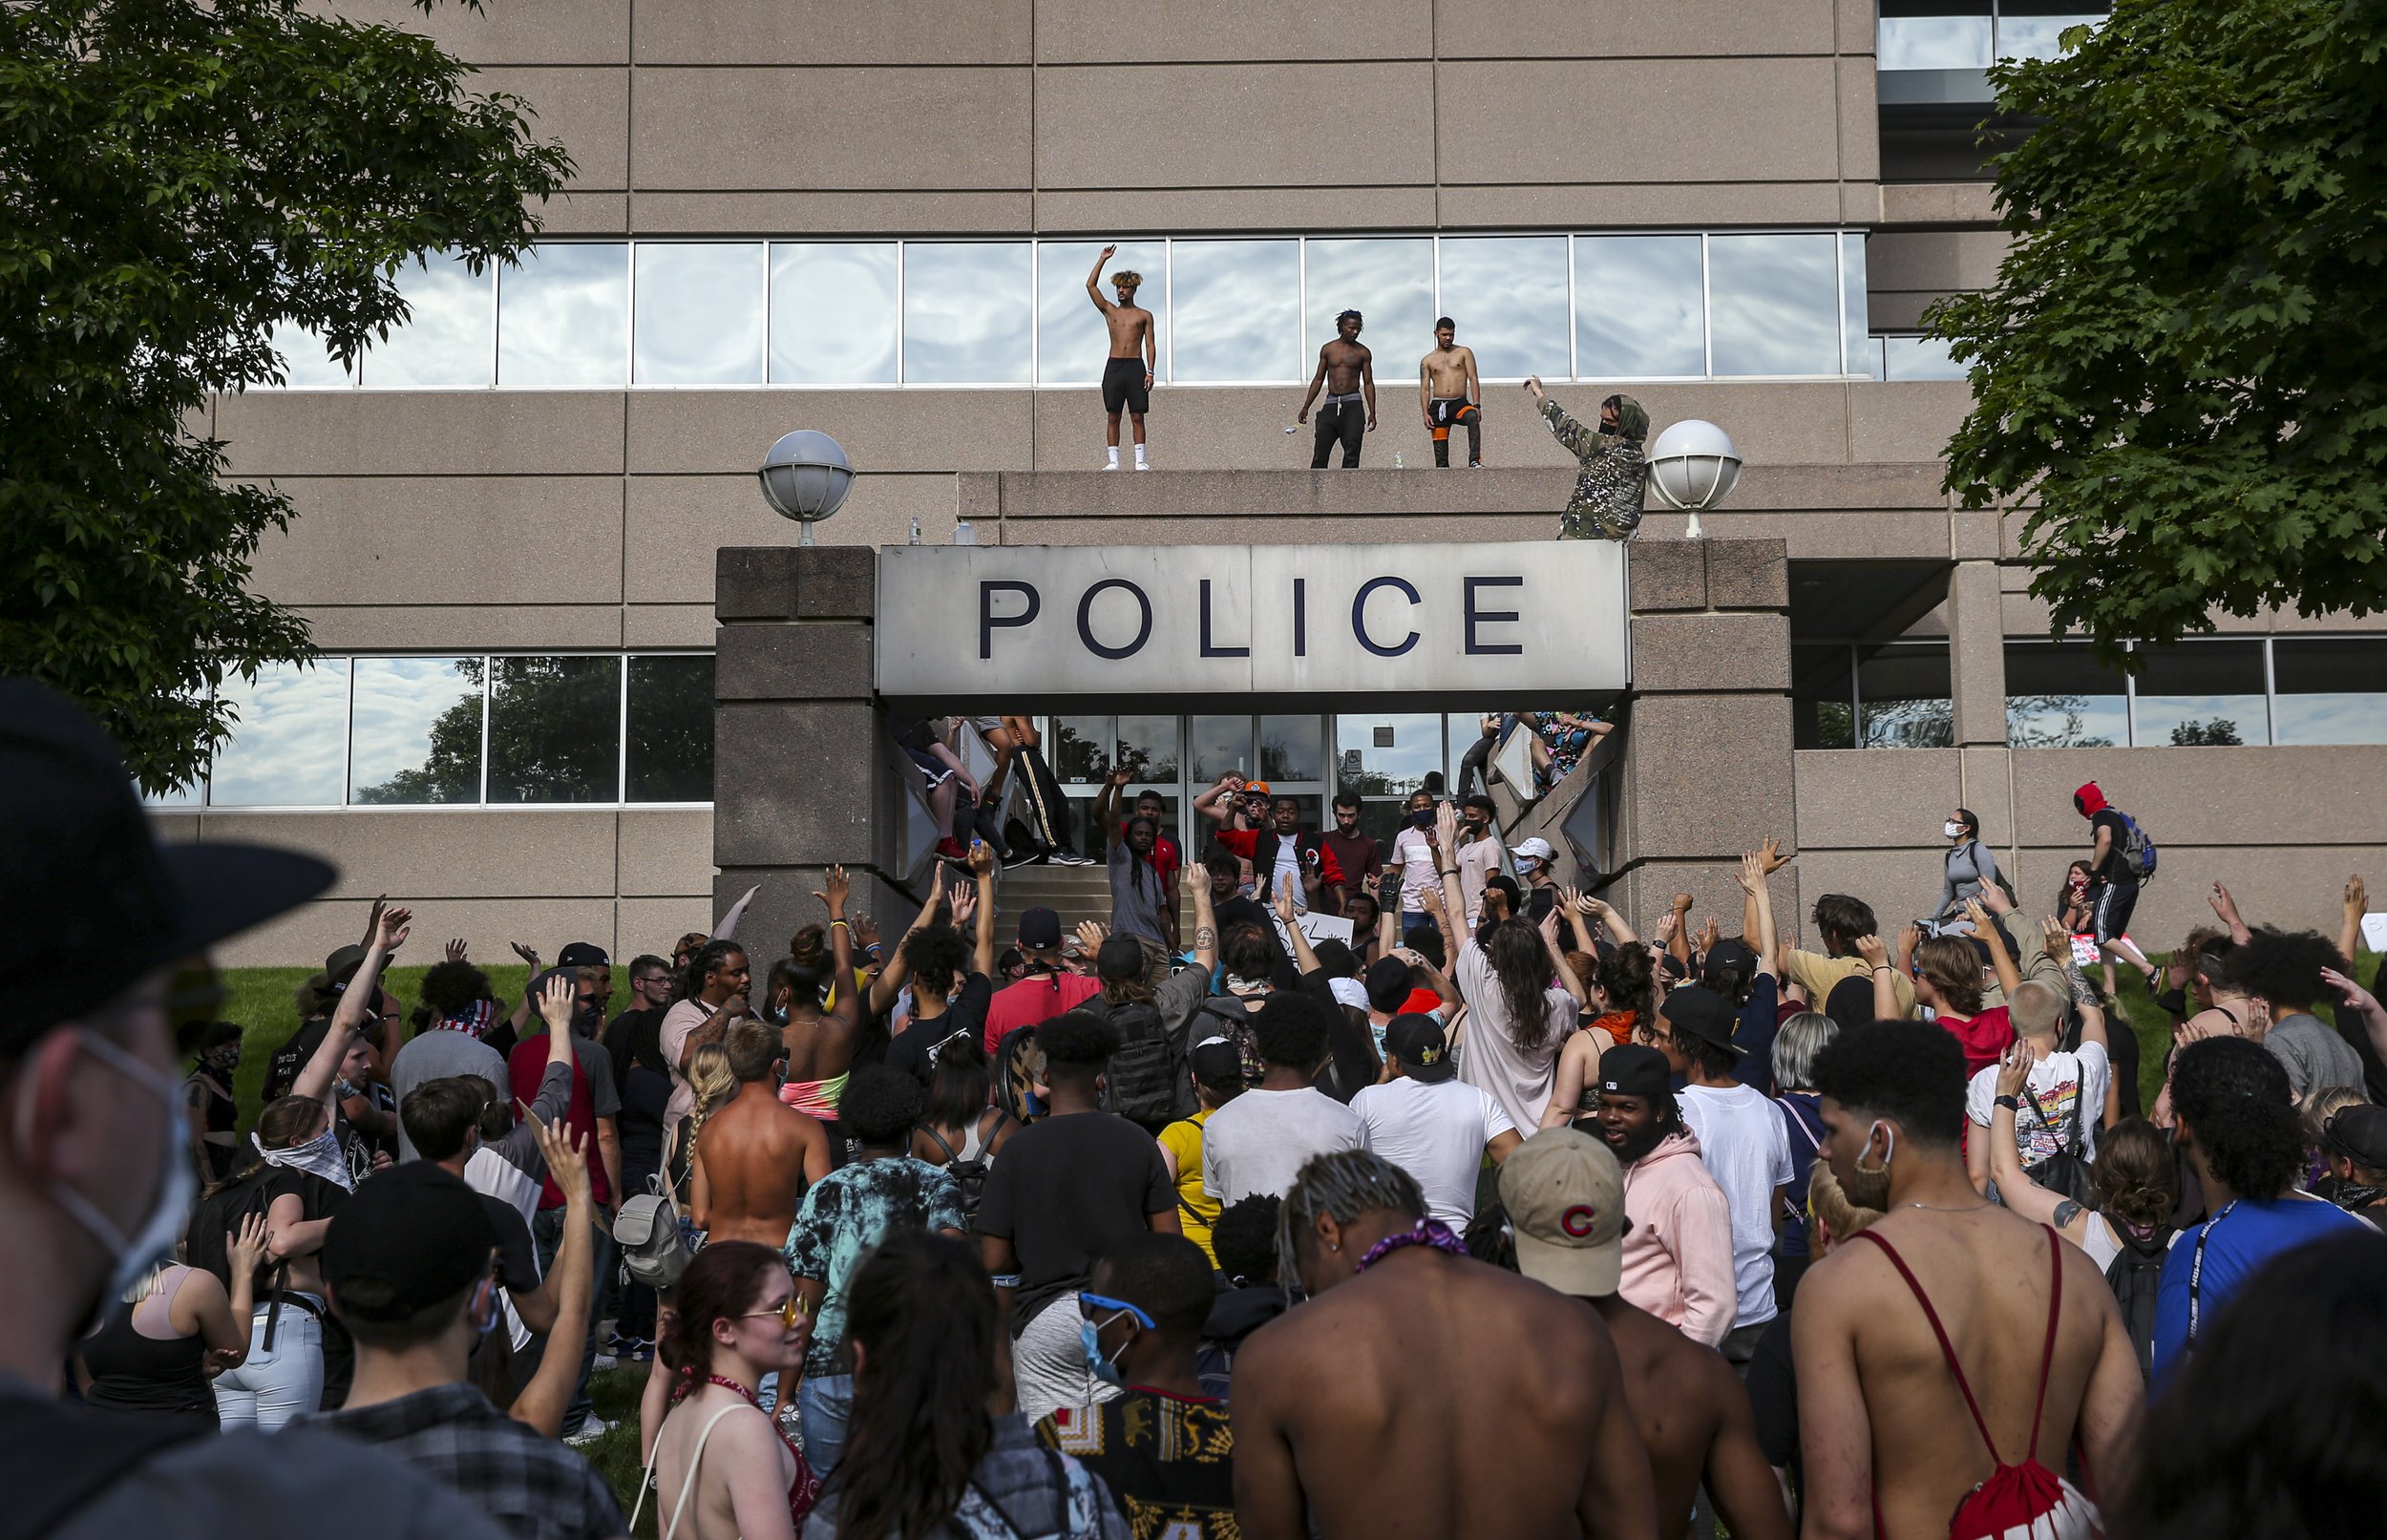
1607 500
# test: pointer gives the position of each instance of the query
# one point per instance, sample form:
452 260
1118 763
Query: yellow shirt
1196 1210
1816 974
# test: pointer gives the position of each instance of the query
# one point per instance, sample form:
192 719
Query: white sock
1115 456
1139 453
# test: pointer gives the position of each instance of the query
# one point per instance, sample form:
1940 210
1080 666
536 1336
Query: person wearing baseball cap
1427 1121
1742 1138
2354 1142
1678 1259
1049 988
1216 1065
1564 1195
1537 867
93 1186
408 1265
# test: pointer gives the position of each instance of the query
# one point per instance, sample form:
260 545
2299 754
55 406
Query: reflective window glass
833 313
2058 697
1919 358
445 343
305 363
1292 749
700 313
1220 745
2202 692
1823 696
1080 749
1150 743
289 747
669 731
554 729
1234 310
2331 689
1856 345
2038 36
1072 339
563 316
1639 313
1903 696
1509 300
1773 305
415 736
1387 753
968 313
1389 283
1933 42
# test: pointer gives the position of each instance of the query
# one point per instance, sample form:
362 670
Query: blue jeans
822 1406
548 1236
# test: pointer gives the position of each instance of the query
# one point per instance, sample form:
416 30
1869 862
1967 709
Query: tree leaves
176 180
2184 359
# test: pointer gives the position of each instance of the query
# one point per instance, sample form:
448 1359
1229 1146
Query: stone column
1976 681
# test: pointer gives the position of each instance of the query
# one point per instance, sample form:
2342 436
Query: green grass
614 1451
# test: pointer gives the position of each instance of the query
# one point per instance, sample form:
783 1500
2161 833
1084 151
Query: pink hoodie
1678 1255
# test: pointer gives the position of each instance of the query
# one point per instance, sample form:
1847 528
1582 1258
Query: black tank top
222 1111
134 1373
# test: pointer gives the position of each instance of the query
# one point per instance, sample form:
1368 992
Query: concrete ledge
836 582
1666 574
795 786
1924 204
1361 493
827 662
1748 574
754 582
1707 654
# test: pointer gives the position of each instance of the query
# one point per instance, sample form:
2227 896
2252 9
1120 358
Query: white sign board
1016 626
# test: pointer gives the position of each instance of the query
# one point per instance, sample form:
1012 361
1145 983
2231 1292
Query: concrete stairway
1074 892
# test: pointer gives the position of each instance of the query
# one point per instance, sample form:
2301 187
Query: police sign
1029 627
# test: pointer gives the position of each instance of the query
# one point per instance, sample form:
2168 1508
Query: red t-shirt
1034 1000
1985 1038
526 1066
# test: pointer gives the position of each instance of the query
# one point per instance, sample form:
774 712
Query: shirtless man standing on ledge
1451 393
1128 376
1348 372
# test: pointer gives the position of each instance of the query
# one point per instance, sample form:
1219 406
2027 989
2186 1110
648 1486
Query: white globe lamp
1691 468
805 477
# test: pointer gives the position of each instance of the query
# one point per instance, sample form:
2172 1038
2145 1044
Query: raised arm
2015 1188
1876 957
2350 933
846 1015
1093 280
2363 1003
1304 957
889 984
1558 963
728 926
1572 905
1113 784
319 1080
1758 905
1446 867
983 934
1206 803
1195 880
1606 914
2227 908
548 1395
2009 976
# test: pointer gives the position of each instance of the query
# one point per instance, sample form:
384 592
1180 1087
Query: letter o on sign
1086 619
1578 1220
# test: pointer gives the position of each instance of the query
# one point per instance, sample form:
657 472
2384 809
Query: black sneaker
1018 859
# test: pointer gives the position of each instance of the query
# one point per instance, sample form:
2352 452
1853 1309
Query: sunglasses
1089 1303
789 1313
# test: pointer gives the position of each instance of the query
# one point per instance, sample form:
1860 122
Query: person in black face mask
1417 855
209 1110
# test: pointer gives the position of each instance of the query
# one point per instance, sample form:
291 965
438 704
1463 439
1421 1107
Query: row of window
1974 34
2285 690
505 730
605 313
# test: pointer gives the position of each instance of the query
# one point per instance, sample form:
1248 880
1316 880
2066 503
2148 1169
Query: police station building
579 682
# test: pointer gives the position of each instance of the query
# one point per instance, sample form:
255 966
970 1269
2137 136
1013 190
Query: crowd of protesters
1498 1219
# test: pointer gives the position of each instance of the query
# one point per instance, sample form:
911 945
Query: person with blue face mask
94 1186
1162 1447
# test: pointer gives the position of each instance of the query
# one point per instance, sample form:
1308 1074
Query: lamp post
1693 467
805 477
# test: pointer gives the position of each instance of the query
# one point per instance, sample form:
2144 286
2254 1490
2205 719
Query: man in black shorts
2113 885
1348 372
1128 376
1450 393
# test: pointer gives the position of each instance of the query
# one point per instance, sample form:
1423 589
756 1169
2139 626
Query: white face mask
134 1253
1952 829
320 1155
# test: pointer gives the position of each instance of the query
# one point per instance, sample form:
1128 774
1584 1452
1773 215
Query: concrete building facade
874 219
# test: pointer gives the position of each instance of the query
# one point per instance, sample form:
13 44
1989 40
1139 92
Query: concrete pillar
1977 655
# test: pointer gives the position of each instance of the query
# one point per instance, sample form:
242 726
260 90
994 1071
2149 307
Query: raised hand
453 951
1109 252
1667 924
1447 826
2357 896
2224 906
2014 1069
1909 939
964 902
1284 903
2057 941
981 860
391 931
2356 997
1875 954
1549 928
1770 848
833 892
865 930
566 1165
1708 937
529 955
1753 869
1091 937
554 1003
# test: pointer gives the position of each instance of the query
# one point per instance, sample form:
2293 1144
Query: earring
1334 1245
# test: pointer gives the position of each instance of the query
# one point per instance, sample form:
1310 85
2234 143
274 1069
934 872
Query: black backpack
220 1214
2135 1275
1146 1083
1226 1016
970 1176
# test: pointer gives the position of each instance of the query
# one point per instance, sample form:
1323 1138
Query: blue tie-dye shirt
846 1214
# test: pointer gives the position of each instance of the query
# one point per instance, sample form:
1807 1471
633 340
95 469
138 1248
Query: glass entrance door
1084 750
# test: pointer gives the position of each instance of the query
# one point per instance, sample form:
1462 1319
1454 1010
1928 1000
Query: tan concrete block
1899 885
1814 536
832 213
652 926
1853 31
1103 211
584 214
2025 618
714 433
676 522
1866 798
667 853
1747 574
802 793
732 129
1674 742
519 32
1204 32
1264 529
453 539
2218 796
1204 428
1912 421
825 32
1977 654
667 626
422 433
1974 534
1833 488
1623 29
588 108
1294 497
1704 653
1626 206
1860 123
1682 120
1987 788
1233 125
300 938
430 855
508 627
1927 203
1939 259
1666 574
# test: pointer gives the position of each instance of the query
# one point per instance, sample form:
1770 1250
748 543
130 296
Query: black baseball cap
1216 1062
411 1236
1635 1069
1040 930
83 876
2359 1134
1418 1042
1387 983
1732 951
582 955
1702 1012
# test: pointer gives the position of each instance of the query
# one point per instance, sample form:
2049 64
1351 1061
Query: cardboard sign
2375 932
2084 951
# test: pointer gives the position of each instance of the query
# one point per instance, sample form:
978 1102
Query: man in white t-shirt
1745 1143
2066 1098
1257 1143
1416 859
1425 1120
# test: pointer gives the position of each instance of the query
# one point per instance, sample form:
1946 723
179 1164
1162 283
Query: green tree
2184 355
177 178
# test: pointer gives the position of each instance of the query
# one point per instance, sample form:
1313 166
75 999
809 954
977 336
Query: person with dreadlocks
1607 500
709 993
1348 372
1390 1402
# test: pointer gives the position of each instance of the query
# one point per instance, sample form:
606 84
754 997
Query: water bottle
964 534
915 529
1396 461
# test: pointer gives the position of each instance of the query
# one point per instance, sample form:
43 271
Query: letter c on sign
1359 616
1086 619
1578 1221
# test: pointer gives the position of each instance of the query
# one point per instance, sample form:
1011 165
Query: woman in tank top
153 1358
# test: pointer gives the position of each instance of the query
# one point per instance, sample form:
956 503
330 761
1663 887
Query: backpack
2134 1275
970 1176
648 1230
2138 850
1228 1018
1146 1082
2024 1498
2064 1171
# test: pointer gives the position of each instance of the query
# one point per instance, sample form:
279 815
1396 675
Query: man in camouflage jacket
1607 500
